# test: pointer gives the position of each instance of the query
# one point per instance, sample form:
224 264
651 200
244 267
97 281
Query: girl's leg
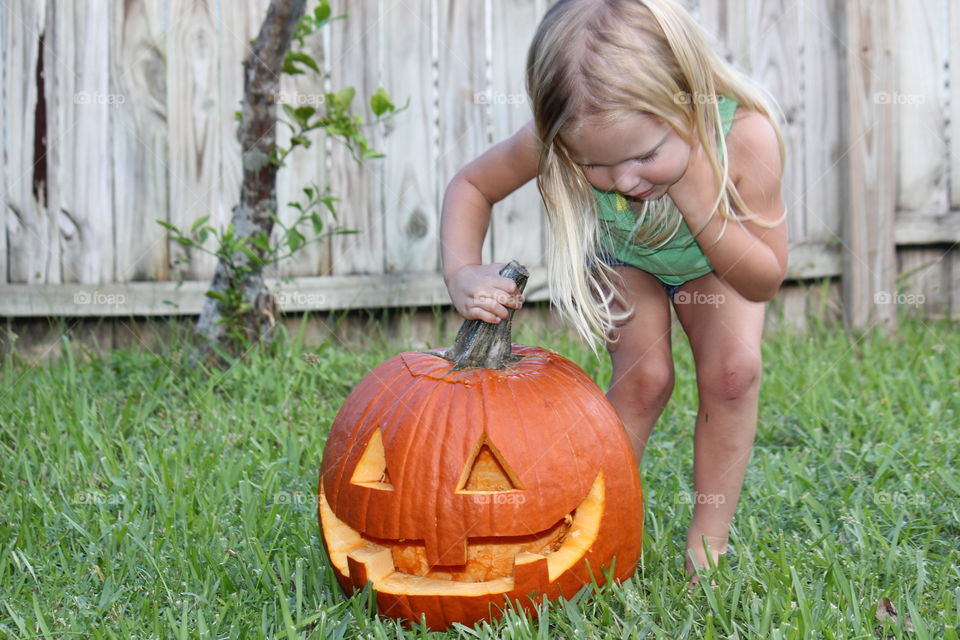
725 331
642 359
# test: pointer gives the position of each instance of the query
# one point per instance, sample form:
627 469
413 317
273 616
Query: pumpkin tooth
371 562
531 572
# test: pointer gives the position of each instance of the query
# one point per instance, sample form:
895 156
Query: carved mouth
400 567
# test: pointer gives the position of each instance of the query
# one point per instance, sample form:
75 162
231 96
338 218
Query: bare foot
696 559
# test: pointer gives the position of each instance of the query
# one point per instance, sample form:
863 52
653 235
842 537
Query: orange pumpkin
451 489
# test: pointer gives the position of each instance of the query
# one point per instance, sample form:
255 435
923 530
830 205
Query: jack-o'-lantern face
452 490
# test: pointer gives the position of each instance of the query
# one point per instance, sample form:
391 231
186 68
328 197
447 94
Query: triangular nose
486 470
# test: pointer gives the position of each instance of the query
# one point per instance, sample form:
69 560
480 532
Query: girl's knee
647 382
730 377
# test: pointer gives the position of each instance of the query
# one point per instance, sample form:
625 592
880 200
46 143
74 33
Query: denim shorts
611 261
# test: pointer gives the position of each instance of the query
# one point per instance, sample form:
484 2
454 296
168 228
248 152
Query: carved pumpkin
452 488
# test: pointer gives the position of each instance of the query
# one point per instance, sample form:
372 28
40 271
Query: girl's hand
695 193
479 292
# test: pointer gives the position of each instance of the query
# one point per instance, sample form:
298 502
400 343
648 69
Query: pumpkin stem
482 345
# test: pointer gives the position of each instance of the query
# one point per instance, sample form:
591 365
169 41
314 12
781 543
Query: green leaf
261 241
303 58
328 202
198 223
380 102
302 114
186 242
275 158
302 140
343 98
167 225
216 295
317 224
294 240
251 255
289 67
322 13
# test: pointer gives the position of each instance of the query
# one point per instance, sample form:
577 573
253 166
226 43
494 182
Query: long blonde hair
603 59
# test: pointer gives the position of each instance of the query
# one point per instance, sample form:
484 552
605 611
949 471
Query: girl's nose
624 180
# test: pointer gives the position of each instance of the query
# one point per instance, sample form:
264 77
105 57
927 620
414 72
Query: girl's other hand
479 292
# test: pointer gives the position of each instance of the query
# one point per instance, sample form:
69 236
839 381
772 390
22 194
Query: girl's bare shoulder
753 146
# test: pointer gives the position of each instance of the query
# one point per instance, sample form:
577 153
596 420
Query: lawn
145 498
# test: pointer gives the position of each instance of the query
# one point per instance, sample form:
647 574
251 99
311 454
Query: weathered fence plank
4 91
80 183
296 294
412 217
32 236
824 148
954 97
922 285
460 29
870 253
360 188
193 116
916 97
518 224
138 134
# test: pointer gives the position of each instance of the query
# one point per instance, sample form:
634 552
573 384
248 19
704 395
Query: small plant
245 311
246 255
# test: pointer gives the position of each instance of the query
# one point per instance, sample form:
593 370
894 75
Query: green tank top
679 260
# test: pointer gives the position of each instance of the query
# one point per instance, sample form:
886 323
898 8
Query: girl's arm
750 257
478 291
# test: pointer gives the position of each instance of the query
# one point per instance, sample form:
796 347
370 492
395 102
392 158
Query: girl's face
636 154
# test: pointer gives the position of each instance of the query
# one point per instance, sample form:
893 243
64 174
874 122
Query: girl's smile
636 154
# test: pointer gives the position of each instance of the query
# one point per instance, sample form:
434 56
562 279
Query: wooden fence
118 114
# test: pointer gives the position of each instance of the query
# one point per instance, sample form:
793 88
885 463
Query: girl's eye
646 159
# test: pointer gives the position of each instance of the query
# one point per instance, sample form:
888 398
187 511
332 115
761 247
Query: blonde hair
601 59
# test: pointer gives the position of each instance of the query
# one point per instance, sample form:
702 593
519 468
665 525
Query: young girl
660 170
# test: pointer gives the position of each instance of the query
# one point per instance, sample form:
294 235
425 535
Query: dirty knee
732 378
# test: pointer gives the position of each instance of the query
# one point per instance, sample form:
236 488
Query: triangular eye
486 471
371 471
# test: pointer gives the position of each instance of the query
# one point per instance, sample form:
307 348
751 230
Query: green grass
144 498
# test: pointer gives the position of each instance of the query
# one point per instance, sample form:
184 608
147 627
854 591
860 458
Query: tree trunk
258 196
